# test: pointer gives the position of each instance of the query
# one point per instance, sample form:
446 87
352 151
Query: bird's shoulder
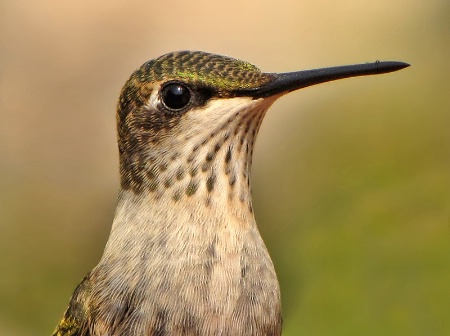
75 319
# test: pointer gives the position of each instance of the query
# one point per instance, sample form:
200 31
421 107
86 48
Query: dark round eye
175 96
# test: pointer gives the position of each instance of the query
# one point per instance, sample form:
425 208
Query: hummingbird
184 255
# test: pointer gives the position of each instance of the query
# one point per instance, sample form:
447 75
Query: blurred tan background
351 179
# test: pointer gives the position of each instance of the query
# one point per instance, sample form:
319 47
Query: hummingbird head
184 119
187 117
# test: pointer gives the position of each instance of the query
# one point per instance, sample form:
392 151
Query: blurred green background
351 180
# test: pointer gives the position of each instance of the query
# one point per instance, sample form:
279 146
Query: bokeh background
351 179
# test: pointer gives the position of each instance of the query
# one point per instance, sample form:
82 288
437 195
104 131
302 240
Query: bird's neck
194 188
192 217
145 223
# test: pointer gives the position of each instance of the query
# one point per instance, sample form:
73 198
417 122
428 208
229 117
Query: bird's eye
175 96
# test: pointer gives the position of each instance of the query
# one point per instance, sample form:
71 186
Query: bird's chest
218 288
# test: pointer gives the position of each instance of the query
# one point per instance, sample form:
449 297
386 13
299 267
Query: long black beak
290 81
